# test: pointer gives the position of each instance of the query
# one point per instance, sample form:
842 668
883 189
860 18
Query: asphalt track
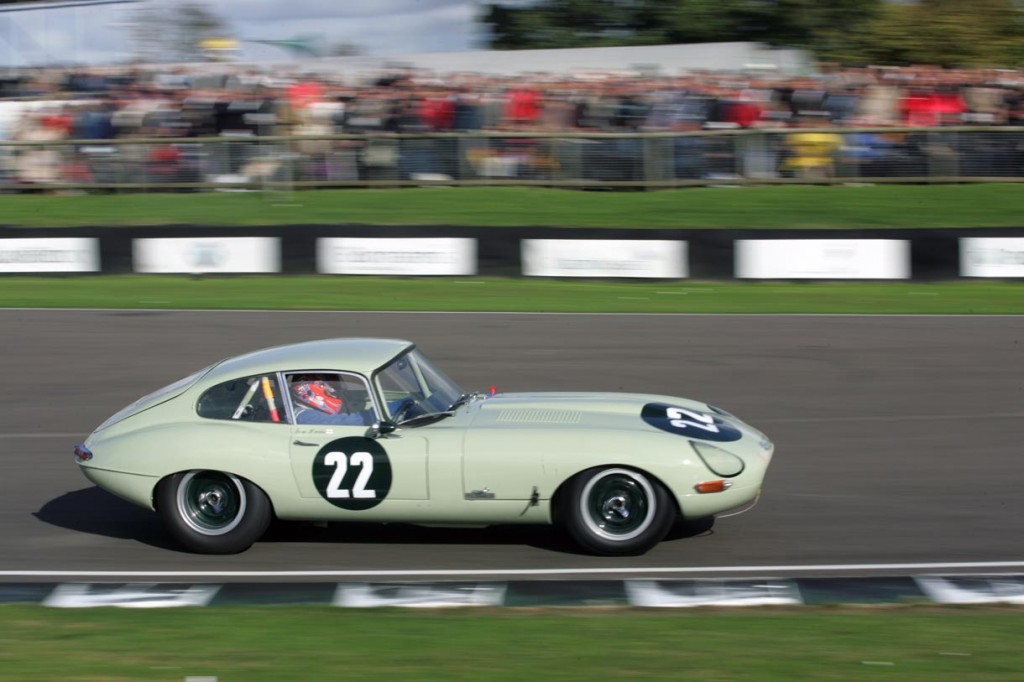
899 439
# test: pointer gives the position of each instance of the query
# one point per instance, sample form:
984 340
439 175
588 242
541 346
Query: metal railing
644 160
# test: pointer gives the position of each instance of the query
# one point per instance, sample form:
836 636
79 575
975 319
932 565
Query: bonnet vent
533 416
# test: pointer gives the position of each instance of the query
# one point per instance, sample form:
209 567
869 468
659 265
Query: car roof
357 355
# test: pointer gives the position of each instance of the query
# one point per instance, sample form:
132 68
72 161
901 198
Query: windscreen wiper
432 417
461 400
424 419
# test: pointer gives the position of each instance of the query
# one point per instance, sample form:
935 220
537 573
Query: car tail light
712 486
82 453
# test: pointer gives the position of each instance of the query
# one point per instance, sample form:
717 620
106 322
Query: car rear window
251 399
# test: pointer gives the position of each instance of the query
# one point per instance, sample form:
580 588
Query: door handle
302 442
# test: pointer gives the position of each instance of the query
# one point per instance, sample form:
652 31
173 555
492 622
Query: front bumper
695 505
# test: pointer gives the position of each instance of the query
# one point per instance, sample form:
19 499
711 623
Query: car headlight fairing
721 462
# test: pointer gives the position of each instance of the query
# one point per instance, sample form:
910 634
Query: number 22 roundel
684 422
352 473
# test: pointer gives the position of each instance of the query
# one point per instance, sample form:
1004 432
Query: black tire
211 512
615 511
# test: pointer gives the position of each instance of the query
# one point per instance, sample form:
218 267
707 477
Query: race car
371 430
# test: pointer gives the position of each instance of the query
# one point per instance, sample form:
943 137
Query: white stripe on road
888 418
456 573
76 434
498 312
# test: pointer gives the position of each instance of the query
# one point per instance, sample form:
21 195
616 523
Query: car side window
330 398
250 399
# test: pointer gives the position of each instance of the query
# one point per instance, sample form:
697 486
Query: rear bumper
134 488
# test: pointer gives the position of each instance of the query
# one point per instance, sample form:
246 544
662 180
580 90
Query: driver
317 401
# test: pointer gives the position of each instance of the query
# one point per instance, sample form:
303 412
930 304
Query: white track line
465 573
484 312
887 418
58 434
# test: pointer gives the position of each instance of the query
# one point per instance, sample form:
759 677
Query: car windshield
412 387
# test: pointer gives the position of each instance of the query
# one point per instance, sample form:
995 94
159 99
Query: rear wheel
616 511
212 512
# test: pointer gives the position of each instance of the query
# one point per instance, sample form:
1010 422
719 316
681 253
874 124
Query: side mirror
381 428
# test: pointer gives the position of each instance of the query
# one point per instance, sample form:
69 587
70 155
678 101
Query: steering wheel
403 408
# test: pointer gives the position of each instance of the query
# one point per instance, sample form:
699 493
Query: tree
982 33
944 32
174 32
555 23
705 21
979 33
833 29
828 24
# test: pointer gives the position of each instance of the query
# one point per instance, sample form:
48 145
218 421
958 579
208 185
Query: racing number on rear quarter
352 473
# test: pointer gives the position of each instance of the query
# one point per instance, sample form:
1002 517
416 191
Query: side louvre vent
531 416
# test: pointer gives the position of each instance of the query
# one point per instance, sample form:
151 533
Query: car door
334 458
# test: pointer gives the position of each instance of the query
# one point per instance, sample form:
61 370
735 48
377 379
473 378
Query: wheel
211 512
615 511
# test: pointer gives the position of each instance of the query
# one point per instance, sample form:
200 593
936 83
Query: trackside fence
587 160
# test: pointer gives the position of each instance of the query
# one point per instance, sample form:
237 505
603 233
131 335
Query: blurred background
198 95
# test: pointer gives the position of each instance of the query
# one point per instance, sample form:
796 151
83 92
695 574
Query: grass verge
319 643
508 295
788 207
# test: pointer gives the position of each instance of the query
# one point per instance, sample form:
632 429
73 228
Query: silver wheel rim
211 502
618 494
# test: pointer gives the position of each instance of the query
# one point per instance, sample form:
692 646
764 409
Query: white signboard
823 259
604 258
653 594
200 255
419 596
139 596
972 589
57 254
992 257
395 256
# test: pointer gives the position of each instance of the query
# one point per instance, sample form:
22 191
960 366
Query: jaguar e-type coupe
370 430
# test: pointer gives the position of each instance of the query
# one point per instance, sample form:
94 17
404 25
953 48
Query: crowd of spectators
240 101
192 102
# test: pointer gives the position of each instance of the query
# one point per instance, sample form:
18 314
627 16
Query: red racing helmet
318 395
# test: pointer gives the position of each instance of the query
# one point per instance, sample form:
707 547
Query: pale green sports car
371 430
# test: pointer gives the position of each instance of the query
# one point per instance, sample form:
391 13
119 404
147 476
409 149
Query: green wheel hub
618 504
210 502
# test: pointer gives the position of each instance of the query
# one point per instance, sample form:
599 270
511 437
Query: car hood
587 410
600 403
593 411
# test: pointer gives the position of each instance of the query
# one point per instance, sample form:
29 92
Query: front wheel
616 511
212 512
